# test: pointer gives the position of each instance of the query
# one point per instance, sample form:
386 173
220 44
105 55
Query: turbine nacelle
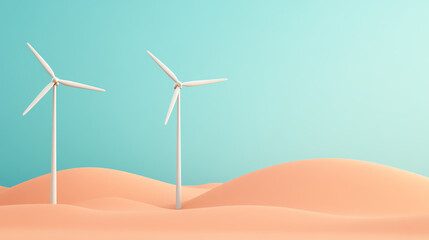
179 84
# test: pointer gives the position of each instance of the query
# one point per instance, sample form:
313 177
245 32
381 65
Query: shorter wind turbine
176 97
53 84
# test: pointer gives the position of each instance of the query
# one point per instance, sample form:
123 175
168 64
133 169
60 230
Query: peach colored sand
3 188
309 199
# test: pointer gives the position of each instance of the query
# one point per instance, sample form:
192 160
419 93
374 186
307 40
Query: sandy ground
309 199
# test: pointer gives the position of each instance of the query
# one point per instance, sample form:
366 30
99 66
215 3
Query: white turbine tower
176 97
54 83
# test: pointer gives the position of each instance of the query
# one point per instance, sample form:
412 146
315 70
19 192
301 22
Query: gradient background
307 79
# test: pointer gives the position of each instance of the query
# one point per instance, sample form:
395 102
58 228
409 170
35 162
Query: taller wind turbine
176 97
53 84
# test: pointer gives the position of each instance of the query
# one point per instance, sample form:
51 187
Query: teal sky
307 79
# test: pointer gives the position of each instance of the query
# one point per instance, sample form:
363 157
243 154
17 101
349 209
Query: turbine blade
79 85
42 61
202 82
172 103
37 99
165 68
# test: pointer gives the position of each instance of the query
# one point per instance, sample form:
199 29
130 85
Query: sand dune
117 204
337 186
71 234
310 199
3 188
230 218
82 184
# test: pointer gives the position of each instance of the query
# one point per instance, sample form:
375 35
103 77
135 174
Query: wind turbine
53 84
176 97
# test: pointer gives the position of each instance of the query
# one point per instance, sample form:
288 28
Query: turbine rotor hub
178 85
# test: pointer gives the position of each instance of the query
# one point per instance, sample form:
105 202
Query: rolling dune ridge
335 186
